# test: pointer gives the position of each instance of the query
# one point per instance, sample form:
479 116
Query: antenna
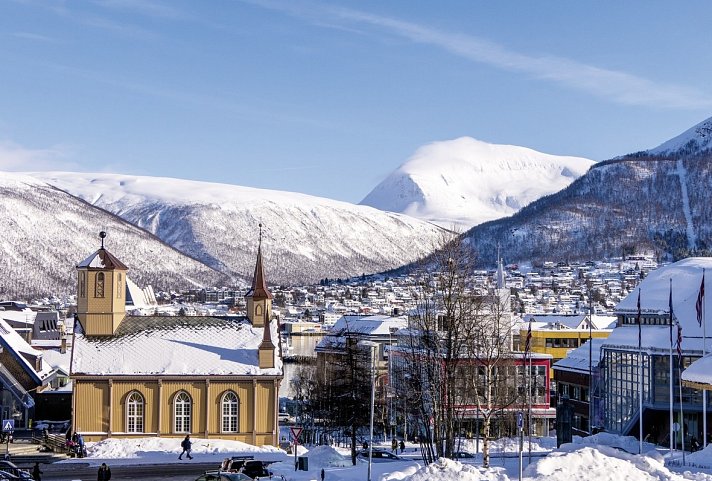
102 235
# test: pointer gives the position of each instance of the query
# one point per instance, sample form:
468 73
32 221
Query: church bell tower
101 292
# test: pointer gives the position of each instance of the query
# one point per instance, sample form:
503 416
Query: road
152 472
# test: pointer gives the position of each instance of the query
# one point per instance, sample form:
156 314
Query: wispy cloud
33 36
15 157
144 7
612 85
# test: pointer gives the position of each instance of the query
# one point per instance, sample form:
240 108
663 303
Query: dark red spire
259 284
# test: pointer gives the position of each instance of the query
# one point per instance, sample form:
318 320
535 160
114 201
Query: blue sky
327 98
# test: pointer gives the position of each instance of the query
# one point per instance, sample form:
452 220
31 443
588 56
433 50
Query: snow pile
702 458
447 470
506 445
601 463
629 444
327 456
149 449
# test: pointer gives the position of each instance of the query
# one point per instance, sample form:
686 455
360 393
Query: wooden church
168 376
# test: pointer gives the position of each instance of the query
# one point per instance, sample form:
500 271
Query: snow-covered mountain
465 182
305 238
655 201
47 232
693 140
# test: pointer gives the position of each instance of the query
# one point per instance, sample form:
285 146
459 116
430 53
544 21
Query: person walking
322 474
186 445
36 472
104 473
402 446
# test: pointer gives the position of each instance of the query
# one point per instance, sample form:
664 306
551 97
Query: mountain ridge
308 238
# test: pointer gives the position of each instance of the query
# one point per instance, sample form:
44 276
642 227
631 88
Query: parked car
220 476
246 465
10 467
5 476
462 454
379 454
283 417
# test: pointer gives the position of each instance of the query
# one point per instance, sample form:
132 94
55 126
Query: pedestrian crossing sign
8 425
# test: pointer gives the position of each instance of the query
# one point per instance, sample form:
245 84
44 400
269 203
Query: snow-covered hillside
464 182
47 232
693 140
306 238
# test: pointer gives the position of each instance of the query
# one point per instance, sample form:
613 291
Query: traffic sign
8 425
296 431
520 420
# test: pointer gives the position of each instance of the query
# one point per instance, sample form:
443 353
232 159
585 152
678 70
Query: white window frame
230 412
182 411
135 404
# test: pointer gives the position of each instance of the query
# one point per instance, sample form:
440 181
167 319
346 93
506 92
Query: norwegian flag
700 300
528 343
679 344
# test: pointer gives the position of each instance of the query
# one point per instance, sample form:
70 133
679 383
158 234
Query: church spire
259 283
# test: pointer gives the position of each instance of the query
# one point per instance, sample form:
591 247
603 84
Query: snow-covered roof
11 340
372 325
700 371
686 277
102 259
568 321
577 360
653 338
175 345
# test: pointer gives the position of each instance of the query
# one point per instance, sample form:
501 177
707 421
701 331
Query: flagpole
590 370
640 378
704 352
672 433
679 370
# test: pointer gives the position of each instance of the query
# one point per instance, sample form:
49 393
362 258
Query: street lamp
373 346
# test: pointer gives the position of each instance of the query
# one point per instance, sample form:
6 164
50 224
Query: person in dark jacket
104 473
36 473
186 445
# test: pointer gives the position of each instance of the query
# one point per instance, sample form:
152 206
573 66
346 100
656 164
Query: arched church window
182 409
230 412
134 413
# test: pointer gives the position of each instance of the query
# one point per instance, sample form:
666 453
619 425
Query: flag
679 344
670 308
639 321
700 300
528 343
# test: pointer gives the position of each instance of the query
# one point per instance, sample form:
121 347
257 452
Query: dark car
462 454
12 468
247 465
5 476
220 476
379 455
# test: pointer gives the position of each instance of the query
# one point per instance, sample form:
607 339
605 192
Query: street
157 472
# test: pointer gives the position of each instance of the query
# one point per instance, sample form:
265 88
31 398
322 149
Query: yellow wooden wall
94 400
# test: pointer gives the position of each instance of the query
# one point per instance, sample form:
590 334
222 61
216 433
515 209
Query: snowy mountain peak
464 182
693 140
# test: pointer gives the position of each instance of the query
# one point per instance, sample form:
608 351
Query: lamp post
373 346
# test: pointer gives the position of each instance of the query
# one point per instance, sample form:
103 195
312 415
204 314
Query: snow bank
601 463
448 470
327 456
702 458
161 450
629 444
